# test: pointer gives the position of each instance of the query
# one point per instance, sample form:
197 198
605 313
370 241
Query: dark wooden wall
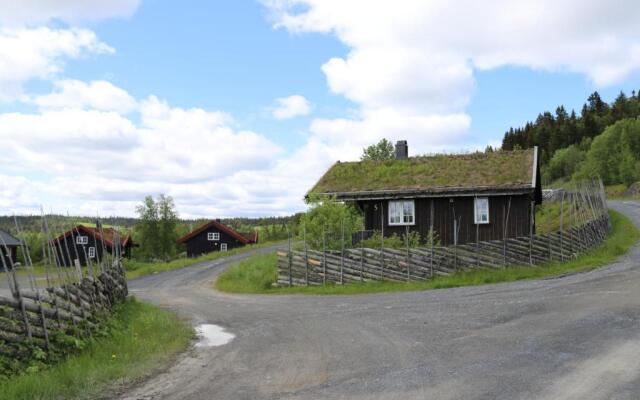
199 244
76 250
518 221
8 260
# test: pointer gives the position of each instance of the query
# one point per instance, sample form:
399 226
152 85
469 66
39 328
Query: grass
141 338
548 216
490 169
256 274
136 269
617 192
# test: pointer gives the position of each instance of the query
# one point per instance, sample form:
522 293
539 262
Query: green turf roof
501 169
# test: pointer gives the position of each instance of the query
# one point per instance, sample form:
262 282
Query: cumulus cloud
90 158
39 11
98 95
290 107
410 63
594 38
27 54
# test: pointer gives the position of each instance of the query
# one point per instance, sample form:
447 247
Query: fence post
406 239
455 242
324 257
562 227
306 254
504 235
342 253
26 254
431 234
531 221
290 257
362 256
381 241
477 235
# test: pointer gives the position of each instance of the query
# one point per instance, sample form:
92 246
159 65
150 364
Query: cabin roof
8 239
431 176
107 235
245 238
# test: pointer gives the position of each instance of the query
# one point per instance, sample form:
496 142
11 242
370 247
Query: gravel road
573 337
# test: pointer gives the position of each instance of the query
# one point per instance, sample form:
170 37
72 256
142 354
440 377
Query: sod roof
431 174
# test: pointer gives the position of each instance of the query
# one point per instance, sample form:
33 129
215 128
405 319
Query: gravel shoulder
572 337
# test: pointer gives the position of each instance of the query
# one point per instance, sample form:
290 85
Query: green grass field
136 269
141 339
256 274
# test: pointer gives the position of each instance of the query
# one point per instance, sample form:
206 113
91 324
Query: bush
327 222
564 163
396 241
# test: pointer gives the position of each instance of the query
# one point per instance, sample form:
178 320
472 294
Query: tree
328 222
168 222
156 230
615 155
382 151
564 163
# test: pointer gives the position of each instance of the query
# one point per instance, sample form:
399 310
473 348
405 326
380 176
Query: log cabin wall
200 244
445 208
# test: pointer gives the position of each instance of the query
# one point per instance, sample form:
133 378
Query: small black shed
215 236
8 250
462 198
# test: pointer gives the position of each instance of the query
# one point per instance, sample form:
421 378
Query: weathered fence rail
74 302
34 316
584 227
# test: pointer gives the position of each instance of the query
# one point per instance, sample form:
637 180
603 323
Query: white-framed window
92 252
213 236
481 210
82 239
402 212
223 247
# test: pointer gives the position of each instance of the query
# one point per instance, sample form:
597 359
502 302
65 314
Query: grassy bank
256 274
136 269
139 339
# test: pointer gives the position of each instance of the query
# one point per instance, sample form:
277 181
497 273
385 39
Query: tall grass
141 338
257 274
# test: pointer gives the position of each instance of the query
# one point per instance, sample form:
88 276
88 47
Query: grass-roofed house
463 198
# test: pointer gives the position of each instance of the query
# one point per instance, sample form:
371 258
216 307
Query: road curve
574 337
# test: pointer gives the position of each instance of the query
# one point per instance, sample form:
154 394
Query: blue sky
183 98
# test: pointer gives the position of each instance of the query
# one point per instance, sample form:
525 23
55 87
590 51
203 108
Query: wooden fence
584 224
34 316
74 302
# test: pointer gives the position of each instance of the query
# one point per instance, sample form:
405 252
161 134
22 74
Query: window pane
408 212
394 212
482 210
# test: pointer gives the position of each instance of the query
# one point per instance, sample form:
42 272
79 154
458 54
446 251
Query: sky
237 108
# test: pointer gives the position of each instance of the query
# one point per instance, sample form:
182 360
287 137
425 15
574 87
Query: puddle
212 335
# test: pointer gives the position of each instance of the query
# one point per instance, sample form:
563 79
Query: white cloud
90 159
27 54
443 38
40 11
290 107
98 95
410 63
